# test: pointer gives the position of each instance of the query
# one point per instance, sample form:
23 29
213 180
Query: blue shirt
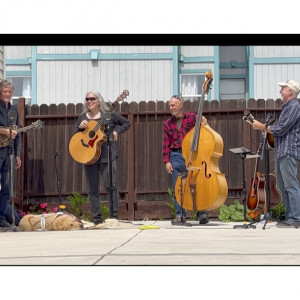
287 131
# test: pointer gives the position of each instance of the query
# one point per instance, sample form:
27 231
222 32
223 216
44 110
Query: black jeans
92 173
4 189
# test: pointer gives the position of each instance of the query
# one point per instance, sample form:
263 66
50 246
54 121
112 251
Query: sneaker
178 219
203 219
98 221
288 224
5 225
113 217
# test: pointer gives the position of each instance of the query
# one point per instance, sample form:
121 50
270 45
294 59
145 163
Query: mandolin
85 146
4 140
270 138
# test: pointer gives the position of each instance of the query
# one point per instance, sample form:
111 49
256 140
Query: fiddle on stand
244 154
265 156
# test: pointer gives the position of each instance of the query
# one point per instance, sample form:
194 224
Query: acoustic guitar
4 140
85 146
270 138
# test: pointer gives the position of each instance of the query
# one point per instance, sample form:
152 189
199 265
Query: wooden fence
142 179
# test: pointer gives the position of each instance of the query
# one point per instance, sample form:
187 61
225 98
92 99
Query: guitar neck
24 129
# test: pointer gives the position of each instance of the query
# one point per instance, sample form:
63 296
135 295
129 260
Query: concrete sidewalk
216 243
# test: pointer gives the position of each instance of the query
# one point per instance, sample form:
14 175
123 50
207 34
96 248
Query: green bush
76 201
233 213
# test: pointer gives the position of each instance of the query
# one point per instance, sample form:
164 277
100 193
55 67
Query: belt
176 149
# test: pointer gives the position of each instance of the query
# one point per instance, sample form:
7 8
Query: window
22 87
232 89
191 86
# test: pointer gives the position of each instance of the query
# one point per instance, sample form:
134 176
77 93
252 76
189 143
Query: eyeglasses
90 99
176 97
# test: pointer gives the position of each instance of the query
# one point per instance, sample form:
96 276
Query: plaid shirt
172 137
287 131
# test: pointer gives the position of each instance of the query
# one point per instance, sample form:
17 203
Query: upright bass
204 188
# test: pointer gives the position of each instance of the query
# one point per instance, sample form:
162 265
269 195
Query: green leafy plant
105 211
278 210
171 203
76 201
233 212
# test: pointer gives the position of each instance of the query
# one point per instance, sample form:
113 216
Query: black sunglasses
176 97
90 99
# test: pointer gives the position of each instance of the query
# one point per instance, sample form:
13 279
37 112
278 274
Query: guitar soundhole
84 144
91 134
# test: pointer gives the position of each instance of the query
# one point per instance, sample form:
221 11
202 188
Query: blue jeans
178 164
4 190
8 215
286 170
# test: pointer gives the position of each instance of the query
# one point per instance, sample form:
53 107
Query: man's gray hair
5 83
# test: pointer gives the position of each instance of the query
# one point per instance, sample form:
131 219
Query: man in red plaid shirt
175 129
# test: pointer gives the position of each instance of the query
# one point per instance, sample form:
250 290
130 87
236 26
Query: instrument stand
244 154
182 222
265 153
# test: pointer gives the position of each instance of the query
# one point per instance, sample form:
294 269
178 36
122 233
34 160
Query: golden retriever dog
54 221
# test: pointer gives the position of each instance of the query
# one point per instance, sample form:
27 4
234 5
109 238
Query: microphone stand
267 215
107 117
183 175
60 206
11 176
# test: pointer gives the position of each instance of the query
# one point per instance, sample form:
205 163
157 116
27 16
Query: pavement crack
118 247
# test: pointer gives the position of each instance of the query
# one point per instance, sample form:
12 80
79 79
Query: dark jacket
5 121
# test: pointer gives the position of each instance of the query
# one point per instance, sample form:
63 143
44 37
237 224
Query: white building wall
197 50
267 76
68 81
276 51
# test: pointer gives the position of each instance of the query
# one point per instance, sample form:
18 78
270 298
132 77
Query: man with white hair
8 117
287 152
